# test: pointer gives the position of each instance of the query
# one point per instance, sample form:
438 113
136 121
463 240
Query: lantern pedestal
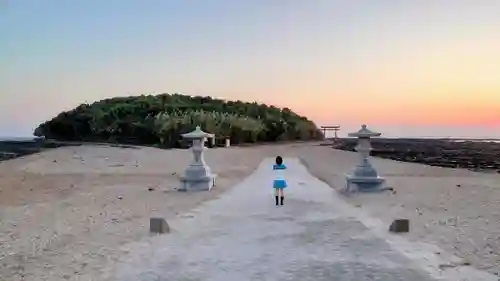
198 176
199 184
364 177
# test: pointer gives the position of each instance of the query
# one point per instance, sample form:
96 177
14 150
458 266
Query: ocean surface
489 140
20 139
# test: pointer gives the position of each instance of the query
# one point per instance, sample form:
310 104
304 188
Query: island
160 120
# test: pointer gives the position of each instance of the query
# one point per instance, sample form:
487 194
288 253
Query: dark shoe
282 199
276 200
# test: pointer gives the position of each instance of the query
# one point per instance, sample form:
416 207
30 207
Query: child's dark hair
279 160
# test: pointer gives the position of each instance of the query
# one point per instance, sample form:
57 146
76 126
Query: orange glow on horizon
429 110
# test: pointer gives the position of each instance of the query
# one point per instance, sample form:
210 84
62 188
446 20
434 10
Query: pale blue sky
369 58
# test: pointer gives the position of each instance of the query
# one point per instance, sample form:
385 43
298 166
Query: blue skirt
280 184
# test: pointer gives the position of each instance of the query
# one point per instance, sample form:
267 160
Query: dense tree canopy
160 120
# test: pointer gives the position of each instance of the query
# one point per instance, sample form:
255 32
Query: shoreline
16 148
478 156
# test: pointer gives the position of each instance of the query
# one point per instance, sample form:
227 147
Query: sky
403 67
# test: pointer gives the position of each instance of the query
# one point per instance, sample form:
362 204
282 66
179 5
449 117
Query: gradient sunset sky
404 67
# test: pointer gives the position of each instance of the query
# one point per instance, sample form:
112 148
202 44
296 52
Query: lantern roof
197 134
364 132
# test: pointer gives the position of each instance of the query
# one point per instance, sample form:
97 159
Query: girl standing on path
279 183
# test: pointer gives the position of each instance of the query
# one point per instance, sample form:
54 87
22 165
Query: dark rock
400 225
158 225
476 156
445 266
14 148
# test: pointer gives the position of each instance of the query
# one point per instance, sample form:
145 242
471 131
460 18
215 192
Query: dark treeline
160 120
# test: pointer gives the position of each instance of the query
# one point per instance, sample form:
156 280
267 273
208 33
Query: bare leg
282 194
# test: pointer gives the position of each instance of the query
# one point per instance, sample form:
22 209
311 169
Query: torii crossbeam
334 128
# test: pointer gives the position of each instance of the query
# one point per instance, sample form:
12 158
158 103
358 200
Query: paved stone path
244 236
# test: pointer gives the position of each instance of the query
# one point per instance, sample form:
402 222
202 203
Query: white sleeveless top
279 174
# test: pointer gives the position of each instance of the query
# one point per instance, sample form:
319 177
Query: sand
66 214
455 209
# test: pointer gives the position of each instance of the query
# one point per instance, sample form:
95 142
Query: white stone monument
364 176
197 176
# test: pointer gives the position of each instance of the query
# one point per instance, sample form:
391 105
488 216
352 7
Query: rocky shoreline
473 155
10 149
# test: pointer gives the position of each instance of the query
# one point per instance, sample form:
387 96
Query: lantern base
365 170
356 183
200 184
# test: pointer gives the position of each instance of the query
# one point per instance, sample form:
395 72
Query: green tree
160 120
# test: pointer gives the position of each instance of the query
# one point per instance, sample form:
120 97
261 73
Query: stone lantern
197 176
364 176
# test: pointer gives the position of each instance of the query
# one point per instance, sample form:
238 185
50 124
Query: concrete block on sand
400 225
158 225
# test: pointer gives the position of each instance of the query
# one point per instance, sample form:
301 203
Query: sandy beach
456 209
65 214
